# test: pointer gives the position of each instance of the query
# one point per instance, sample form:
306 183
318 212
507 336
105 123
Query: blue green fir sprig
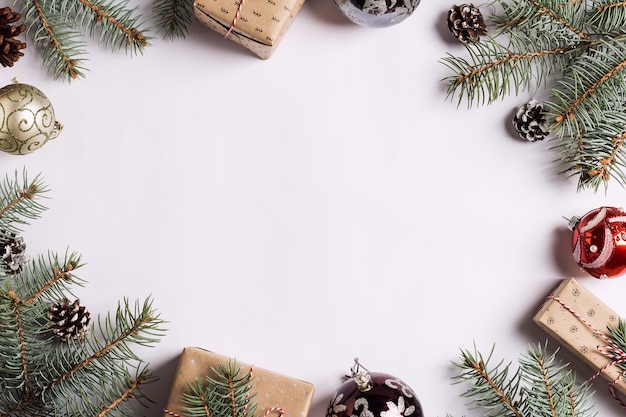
541 386
573 52
59 29
55 360
226 394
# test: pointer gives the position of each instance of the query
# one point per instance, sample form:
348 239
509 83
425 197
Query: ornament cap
363 381
572 222
361 376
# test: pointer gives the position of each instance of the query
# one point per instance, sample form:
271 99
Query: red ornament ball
599 241
374 394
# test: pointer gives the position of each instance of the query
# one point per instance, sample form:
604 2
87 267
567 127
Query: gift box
273 390
258 25
579 320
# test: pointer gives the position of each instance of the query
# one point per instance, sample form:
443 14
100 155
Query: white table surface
299 212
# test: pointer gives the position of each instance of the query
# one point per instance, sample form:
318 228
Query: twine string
234 22
280 410
611 350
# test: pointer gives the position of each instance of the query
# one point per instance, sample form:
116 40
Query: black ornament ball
374 394
377 13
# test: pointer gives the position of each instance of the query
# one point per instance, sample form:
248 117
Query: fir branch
578 50
607 16
173 17
129 328
588 78
58 27
118 25
228 394
541 387
558 11
58 41
552 384
130 389
49 277
19 201
617 333
59 273
492 387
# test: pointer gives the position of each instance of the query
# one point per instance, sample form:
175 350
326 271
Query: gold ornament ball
27 119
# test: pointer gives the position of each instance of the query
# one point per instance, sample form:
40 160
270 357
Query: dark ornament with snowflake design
373 394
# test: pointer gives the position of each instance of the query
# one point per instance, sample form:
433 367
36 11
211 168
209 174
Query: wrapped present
258 25
273 391
580 321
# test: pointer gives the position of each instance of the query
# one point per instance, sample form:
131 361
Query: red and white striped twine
245 407
279 409
234 22
610 350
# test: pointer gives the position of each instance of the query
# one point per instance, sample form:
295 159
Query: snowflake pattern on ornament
363 403
397 410
336 407
400 386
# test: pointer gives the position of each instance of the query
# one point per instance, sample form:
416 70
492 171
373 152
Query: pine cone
12 253
466 22
69 321
9 46
530 121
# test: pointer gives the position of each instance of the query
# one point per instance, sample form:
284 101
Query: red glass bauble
374 394
599 241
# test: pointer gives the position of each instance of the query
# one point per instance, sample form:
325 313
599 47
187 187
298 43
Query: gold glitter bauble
27 119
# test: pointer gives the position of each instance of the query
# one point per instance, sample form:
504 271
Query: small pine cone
13 253
69 321
530 121
10 48
466 22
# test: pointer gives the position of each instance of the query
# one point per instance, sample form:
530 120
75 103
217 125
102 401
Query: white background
299 212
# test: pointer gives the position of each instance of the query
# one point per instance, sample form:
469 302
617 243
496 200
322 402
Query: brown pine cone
466 22
10 48
69 320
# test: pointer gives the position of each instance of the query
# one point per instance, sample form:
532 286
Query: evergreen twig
98 373
173 17
58 29
574 49
227 394
540 387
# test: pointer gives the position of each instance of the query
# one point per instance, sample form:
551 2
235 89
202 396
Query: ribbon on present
611 350
234 22
270 410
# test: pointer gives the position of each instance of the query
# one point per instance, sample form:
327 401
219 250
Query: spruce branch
117 26
19 201
576 52
42 372
227 394
59 43
58 29
541 387
173 17
492 387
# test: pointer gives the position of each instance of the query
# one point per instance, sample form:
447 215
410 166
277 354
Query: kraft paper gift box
583 335
293 396
259 27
